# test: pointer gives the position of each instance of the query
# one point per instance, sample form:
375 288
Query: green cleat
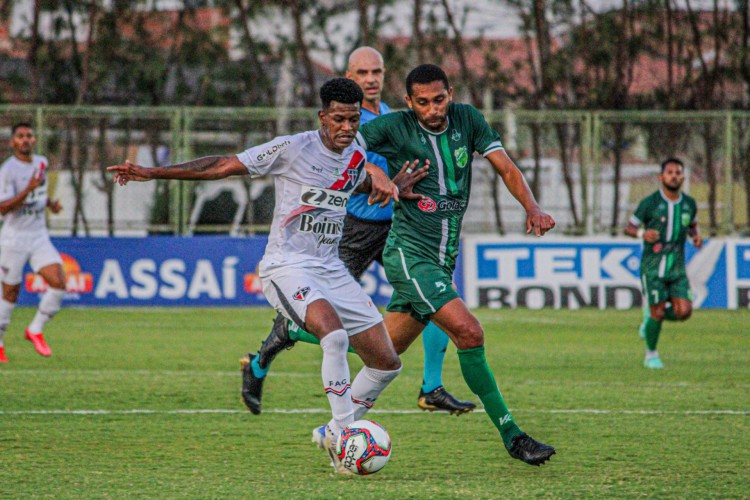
653 363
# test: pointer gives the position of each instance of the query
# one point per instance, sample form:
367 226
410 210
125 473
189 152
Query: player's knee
683 314
657 315
336 341
472 335
10 294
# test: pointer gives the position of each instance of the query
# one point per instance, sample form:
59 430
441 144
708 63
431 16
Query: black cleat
277 341
441 400
529 450
252 386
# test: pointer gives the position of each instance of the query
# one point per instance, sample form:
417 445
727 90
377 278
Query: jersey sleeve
486 139
373 136
641 213
269 158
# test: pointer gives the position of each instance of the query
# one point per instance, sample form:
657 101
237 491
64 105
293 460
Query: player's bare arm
408 177
536 219
647 235
203 169
695 235
54 206
379 185
17 201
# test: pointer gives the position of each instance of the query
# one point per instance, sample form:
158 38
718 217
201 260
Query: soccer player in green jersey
664 220
420 254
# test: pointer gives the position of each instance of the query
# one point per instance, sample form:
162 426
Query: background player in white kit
24 236
303 278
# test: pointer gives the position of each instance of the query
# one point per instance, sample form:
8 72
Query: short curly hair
424 74
341 90
671 160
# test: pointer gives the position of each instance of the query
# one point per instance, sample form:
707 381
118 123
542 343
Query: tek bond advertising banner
167 271
602 273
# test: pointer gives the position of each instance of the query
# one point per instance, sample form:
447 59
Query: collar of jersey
664 197
447 126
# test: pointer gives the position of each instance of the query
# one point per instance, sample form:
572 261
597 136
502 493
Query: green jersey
431 227
672 219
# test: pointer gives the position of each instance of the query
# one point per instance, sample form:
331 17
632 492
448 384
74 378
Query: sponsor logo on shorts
327 232
301 293
324 198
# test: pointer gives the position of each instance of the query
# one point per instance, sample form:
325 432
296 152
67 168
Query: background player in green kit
420 254
663 220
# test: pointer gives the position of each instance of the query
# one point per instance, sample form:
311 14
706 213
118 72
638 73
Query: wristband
640 233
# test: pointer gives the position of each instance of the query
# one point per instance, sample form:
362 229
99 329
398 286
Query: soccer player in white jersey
303 278
24 237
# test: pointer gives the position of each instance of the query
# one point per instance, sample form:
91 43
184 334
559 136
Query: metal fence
589 169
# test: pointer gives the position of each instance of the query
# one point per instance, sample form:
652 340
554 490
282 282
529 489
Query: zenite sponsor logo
427 205
75 280
324 198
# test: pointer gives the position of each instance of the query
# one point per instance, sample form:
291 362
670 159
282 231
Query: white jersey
313 185
26 223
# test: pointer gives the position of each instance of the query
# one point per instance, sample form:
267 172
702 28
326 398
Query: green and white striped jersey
672 219
431 227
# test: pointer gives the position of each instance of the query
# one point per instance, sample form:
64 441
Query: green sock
298 334
669 314
481 381
653 328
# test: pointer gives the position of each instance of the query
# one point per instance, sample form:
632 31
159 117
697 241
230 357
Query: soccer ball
364 447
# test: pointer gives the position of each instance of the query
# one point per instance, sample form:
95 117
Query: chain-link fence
589 169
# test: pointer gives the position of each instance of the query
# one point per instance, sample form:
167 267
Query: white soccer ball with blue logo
364 447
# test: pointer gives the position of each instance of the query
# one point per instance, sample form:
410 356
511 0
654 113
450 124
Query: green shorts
420 286
658 290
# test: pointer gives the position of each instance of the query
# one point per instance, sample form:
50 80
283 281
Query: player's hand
408 177
37 179
55 206
539 222
651 236
128 172
382 189
697 240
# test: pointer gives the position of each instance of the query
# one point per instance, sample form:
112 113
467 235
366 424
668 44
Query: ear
408 100
450 94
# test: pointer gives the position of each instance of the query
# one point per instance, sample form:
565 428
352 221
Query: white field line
323 411
236 373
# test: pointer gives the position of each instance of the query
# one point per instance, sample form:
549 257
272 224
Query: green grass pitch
145 403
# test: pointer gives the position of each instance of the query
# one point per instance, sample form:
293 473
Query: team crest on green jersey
686 219
462 157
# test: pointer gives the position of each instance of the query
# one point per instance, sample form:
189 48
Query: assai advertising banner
602 273
168 271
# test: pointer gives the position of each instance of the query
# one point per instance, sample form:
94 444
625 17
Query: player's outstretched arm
536 219
379 185
695 235
203 169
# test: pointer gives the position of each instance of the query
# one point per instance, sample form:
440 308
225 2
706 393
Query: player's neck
328 143
372 106
24 157
670 194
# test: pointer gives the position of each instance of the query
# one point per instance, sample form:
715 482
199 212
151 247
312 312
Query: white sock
651 354
367 386
335 371
6 309
48 307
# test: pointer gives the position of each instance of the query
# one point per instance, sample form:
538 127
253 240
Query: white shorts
291 289
13 259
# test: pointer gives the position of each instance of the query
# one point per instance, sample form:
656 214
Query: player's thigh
291 291
655 290
12 262
355 308
421 286
375 348
464 329
681 296
403 328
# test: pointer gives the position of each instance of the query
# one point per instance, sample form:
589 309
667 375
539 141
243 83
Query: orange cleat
39 344
3 359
